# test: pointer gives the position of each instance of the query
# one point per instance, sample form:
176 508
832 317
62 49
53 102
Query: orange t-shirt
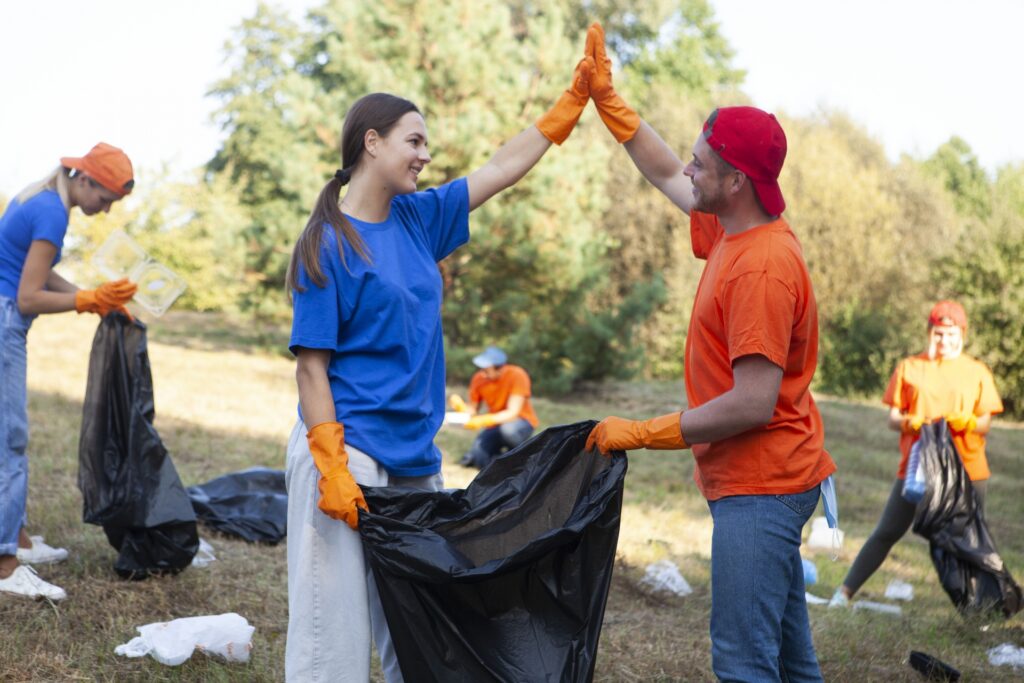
931 389
495 392
755 297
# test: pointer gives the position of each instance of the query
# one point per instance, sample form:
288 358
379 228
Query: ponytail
307 248
58 180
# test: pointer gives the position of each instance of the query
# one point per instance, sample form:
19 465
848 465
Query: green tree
984 274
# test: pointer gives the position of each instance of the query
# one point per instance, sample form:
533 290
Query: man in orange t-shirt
751 350
509 419
940 383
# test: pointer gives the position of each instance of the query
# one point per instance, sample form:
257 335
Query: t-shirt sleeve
48 218
442 213
988 399
894 392
520 384
705 230
316 311
474 389
759 311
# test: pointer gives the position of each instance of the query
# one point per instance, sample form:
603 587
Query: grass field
221 407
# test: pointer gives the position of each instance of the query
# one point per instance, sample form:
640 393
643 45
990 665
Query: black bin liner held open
506 580
964 554
129 484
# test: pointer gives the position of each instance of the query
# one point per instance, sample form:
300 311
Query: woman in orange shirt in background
942 382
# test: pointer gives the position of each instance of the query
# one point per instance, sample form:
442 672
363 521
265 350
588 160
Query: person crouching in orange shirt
509 420
942 382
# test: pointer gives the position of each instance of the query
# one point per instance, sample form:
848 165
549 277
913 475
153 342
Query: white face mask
945 342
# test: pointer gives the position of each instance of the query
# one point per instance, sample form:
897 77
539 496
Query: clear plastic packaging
913 483
121 257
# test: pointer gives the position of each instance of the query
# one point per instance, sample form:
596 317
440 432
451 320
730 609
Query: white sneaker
839 599
25 581
40 553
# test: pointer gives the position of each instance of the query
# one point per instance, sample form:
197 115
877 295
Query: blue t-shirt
382 323
42 217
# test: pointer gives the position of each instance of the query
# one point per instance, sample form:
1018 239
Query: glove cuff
85 300
327 445
621 120
665 433
558 122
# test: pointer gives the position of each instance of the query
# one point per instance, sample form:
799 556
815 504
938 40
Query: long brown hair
376 111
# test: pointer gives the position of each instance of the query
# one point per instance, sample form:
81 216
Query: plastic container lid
119 257
158 285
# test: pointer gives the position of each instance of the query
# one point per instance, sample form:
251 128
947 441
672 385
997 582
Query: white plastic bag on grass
172 642
663 577
204 556
1006 654
899 590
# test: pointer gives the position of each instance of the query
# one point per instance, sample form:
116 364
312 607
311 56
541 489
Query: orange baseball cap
107 165
948 313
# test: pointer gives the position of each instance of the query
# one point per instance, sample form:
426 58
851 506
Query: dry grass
222 407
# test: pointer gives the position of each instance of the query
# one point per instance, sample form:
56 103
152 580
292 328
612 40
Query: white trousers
332 597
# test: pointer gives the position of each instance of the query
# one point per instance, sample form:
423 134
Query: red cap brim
770 194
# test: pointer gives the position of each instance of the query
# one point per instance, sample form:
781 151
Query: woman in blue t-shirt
366 332
32 233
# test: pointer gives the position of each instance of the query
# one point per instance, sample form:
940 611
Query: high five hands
592 79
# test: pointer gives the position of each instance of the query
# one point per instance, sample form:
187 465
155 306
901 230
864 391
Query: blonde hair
58 180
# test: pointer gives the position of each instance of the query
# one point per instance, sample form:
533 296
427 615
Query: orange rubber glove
457 404
618 117
658 433
962 422
481 421
110 296
911 424
558 122
340 495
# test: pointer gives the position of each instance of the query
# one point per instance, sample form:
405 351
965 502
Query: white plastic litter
453 418
899 590
814 599
822 536
878 607
172 642
204 556
1006 654
664 576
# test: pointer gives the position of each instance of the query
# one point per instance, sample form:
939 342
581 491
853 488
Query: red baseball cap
948 313
753 141
107 165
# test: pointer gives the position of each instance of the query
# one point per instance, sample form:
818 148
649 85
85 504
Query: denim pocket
801 503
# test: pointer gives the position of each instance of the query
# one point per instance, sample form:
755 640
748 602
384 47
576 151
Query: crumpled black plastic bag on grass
506 580
251 504
129 484
963 552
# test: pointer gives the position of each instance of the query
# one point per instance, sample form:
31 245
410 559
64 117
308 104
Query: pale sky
134 73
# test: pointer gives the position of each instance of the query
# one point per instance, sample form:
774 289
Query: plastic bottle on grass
913 484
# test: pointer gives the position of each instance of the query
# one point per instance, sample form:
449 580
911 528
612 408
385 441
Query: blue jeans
759 625
494 441
13 423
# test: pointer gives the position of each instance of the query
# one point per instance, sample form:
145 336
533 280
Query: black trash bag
129 484
506 580
252 504
963 552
